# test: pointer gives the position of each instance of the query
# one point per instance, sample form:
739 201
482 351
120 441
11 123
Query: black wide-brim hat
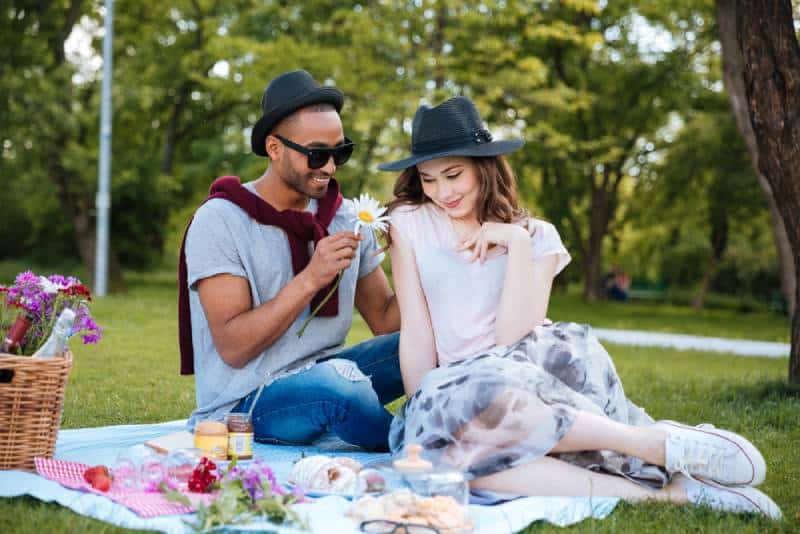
283 96
453 128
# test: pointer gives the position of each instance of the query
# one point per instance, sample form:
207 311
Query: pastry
323 473
440 512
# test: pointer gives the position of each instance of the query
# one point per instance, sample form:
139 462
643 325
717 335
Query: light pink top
463 296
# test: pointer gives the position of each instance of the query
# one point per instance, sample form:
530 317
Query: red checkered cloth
70 475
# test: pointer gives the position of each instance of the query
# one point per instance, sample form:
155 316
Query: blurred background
632 147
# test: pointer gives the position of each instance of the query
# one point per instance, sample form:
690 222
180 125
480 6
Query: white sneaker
708 452
739 499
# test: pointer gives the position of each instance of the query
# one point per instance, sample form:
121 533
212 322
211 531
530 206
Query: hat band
477 136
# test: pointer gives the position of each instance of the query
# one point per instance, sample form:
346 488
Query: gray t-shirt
223 239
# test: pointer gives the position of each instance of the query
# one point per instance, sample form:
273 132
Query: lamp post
103 199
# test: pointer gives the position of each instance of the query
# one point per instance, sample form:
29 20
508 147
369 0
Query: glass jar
416 491
180 465
212 438
418 475
240 436
440 482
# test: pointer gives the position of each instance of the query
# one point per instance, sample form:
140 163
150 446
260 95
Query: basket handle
6 376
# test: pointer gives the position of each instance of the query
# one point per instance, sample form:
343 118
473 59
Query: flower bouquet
241 494
37 316
30 307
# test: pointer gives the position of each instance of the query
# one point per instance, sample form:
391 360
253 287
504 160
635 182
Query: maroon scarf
300 227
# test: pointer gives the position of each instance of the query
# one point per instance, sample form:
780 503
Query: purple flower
26 277
61 281
299 495
251 480
257 479
90 339
36 295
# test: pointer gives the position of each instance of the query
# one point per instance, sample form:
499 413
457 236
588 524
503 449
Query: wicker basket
31 399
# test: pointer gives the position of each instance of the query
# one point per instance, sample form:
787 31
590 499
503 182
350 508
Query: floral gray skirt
512 405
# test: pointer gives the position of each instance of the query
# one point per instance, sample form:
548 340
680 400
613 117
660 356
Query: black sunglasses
318 157
384 526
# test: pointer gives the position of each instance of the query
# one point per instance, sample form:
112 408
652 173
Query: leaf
175 496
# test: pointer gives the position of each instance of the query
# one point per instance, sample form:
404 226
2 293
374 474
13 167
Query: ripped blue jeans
344 395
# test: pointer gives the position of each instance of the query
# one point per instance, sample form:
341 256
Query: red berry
93 472
101 483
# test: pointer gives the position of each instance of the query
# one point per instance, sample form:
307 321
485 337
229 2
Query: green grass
132 377
763 326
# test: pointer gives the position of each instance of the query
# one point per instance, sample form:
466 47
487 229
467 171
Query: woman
525 407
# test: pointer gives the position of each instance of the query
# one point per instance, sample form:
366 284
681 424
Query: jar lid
412 463
211 428
237 416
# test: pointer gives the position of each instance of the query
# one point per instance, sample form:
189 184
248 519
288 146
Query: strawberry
101 482
91 474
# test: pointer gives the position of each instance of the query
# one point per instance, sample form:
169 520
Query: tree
734 83
50 122
595 121
706 178
770 54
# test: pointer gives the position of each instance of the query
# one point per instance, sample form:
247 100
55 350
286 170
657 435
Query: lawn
132 377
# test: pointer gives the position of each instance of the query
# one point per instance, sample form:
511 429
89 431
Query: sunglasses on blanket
382 526
318 156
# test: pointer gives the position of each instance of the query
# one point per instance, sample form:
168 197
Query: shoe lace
700 454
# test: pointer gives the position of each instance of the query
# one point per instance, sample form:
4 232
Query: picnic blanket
102 445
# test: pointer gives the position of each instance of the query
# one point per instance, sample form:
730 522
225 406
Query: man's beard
302 182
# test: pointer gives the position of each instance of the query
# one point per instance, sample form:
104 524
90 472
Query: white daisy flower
50 287
370 214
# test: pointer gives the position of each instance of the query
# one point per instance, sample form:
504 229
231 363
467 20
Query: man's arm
376 303
241 332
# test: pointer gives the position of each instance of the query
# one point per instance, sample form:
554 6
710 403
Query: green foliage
706 195
596 98
42 113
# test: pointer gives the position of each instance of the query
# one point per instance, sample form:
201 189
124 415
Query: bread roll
323 473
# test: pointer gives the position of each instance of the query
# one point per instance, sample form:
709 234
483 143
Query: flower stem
320 305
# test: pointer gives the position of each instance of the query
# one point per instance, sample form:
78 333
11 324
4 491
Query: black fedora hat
283 96
453 128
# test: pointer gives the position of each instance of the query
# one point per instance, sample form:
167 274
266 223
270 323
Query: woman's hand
492 233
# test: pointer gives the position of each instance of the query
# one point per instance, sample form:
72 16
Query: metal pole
103 200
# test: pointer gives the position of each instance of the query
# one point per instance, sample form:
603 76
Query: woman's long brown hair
497 198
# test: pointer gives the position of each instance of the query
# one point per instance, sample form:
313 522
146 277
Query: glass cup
127 467
180 464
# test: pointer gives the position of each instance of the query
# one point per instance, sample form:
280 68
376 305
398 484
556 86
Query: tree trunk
734 83
438 44
78 214
719 242
172 136
771 66
794 358
599 216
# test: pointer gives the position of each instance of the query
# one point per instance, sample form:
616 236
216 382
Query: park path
741 347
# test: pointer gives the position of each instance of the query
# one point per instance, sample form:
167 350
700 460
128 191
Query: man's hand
332 255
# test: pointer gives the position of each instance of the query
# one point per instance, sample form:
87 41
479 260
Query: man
253 279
